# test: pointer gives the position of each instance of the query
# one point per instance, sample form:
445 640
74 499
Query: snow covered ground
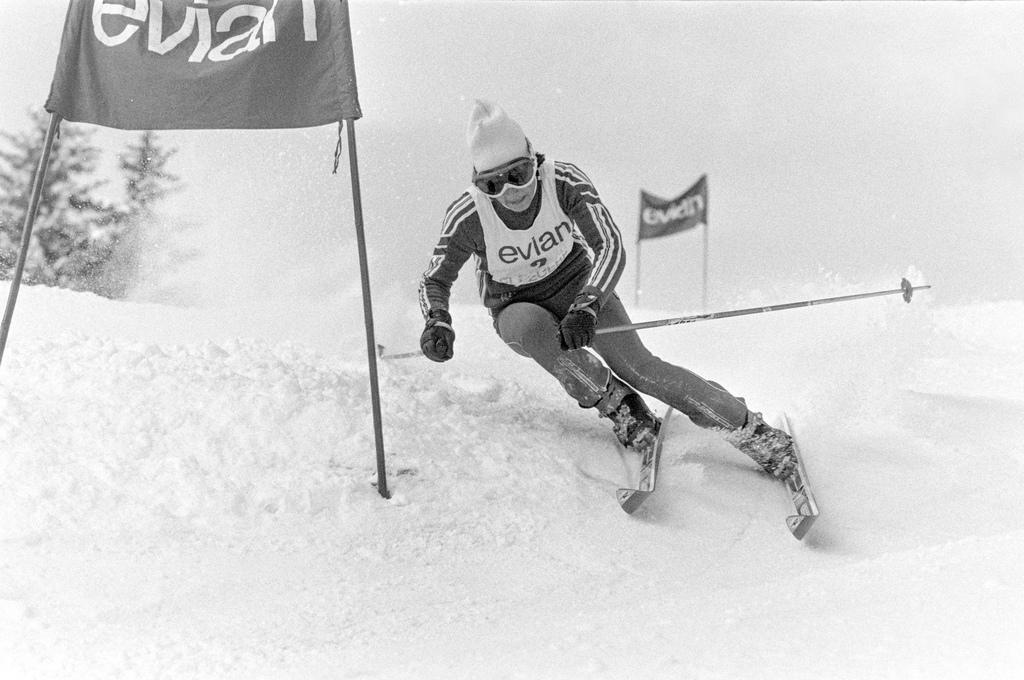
187 493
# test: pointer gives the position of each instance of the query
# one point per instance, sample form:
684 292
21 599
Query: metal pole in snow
371 345
26 232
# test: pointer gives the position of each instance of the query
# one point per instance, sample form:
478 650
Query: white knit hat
494 139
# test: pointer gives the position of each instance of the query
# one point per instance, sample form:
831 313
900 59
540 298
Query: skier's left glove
576 330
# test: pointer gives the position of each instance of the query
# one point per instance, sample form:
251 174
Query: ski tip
782 422
631 499
799 525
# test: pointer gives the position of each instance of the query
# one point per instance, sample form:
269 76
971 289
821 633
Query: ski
631 499
804 506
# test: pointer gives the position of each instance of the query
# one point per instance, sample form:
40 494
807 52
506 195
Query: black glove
438 338
576 330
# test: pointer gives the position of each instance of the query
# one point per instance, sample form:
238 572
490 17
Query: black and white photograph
511 340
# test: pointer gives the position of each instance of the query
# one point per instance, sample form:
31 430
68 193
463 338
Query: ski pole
399 355
905 289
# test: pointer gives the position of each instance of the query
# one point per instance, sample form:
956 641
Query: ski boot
769 447
633 423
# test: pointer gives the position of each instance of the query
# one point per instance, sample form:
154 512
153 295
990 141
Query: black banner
175 64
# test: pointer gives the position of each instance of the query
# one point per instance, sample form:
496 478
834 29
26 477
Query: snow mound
189 493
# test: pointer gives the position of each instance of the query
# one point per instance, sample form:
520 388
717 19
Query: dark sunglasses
517 173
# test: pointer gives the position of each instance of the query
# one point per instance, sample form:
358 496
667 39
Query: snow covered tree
146 182
146 176
75 229
80 240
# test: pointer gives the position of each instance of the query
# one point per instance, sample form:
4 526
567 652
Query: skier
548 258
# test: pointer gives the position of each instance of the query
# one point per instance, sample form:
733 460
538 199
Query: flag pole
371 345
26 233
639 230
704 296
707 221
636 290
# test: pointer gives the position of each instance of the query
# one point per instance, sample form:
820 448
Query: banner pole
636 291
371 345
26 233
639 232
704 296
707 221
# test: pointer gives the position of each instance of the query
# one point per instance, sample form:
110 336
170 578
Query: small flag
660 217
205 64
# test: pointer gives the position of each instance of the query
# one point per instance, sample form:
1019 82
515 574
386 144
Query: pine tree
146 177
146 182
75 229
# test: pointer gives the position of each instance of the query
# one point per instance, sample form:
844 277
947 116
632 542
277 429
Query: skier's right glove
438 338
576 330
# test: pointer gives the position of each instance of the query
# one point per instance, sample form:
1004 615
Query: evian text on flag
242 27
690 206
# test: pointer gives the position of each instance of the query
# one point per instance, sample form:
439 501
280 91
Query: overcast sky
841 140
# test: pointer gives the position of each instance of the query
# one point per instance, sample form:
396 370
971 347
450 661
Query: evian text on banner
198 21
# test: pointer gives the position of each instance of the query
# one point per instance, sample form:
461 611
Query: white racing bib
521 256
